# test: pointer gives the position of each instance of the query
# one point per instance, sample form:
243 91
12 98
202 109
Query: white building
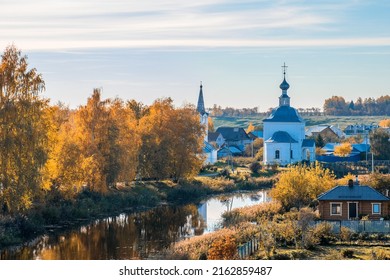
284 133
209 151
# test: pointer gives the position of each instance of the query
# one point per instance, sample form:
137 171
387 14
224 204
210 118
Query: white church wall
284 153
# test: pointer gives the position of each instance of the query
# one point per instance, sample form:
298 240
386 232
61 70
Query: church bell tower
202 112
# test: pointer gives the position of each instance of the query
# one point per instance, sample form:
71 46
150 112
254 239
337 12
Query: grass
333 252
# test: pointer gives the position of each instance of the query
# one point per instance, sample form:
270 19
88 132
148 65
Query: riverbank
281 235
60 213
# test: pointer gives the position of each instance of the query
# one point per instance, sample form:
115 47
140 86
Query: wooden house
352 202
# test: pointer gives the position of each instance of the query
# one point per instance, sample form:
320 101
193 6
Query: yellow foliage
250 128
223 247
343 149
301 184
384 123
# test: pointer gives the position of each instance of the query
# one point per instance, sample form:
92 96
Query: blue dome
284 85
284 114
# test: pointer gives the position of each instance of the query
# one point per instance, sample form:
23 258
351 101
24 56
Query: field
341 121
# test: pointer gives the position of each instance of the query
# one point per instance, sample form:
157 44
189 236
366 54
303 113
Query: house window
376 208
291 153
277 154
335 208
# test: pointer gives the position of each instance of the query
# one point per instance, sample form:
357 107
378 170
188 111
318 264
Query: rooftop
284 114
355 192
281 137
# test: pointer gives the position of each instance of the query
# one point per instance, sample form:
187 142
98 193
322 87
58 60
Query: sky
145 50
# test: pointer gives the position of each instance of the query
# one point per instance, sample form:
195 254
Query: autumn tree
57 116
343 150
255 148
171 142
250 128
211 124
384 123
138 109
335 105
23 128
153 154
301 184
97 135
186 143
128 140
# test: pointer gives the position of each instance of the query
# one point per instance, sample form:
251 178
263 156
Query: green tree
23 127
319 141
380 143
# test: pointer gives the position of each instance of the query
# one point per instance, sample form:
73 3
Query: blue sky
146 50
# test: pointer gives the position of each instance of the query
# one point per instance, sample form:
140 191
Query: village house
329 133
216 139
353 202
360 129
235 137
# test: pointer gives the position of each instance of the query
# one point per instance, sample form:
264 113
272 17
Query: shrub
345 234
252 213
197 247
323 232
379 254
223 248
255 167
347 253
310 239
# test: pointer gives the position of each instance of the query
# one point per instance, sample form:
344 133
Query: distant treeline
337 106
218 111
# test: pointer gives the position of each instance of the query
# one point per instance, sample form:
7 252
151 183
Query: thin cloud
63 25
202 43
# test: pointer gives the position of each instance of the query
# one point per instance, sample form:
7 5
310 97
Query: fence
361 226
248 248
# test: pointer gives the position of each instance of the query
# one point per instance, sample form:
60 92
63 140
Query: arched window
277 154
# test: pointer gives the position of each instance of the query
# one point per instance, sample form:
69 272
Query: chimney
350 183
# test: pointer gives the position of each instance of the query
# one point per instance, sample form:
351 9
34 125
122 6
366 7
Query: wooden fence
248 248
361 226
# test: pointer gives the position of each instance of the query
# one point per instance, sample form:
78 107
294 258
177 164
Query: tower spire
200 108
284 99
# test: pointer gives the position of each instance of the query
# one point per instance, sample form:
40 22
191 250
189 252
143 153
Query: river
134 236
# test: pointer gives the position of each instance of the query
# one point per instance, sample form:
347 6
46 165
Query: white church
284 133
208 150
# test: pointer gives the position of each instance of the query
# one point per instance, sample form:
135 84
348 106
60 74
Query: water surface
137 235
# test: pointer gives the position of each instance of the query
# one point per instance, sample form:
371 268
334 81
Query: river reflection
134 236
